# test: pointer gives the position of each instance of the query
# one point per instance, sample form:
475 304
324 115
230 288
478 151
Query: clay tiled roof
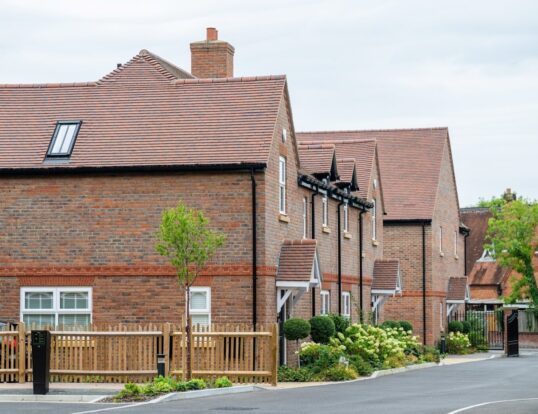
488 274
145 113
296 260
476 219
317 158
346 167
457 289
410 162
386 275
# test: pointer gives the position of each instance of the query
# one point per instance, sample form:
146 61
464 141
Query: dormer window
63 139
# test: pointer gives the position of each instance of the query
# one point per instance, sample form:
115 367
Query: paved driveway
435 390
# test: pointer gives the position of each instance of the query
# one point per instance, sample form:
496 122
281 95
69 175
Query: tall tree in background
511 238
185 238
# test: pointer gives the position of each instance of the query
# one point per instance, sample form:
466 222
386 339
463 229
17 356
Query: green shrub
394 361
339 373
319 357
458 343
296 328
322 329
389 324
455 326
431 354
406 325
363 368
341 323
466 325
196 384
223 382
288 374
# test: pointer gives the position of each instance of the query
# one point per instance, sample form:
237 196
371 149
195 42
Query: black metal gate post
512 334
41 361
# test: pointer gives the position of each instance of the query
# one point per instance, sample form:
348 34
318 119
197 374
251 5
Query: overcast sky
469 65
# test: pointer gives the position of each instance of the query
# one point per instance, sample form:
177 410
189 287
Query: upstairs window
305 217
282 185
374 219
346 218
325 204
63 139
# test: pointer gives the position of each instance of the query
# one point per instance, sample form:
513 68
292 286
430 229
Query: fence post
21 347
166 348
183 346
274 354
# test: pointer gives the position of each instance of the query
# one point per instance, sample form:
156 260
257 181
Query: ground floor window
56 307
200 305
346 304
325 302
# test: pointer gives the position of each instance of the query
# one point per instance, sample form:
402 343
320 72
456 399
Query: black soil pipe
339 232
361 275
424 283
313 238
465 253
254 254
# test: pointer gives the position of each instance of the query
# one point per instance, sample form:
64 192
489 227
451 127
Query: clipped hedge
322 329
296 328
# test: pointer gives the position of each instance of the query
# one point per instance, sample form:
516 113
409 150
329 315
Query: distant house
421 227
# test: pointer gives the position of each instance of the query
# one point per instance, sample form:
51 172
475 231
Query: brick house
421 227
87 168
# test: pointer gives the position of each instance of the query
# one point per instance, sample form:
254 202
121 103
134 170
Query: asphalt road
503 385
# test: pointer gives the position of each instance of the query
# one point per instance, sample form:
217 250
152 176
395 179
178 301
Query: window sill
283 218
375 242
456 257
441 254
325 229
347 235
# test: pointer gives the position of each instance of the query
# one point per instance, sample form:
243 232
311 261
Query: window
305 217
346 218
456 243
282 184
63 139
200 306
346 304
284 135
325 204
325 302
65 307
441 240
374 219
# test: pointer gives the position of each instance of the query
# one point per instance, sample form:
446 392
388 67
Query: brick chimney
212 58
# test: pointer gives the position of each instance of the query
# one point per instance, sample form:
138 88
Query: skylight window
63 140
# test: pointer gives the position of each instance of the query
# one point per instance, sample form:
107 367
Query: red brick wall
212 59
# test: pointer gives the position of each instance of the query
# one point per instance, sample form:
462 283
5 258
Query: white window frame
346 304
205 311
325 211
282 185
346 218
305 217
374 219
441 240
325 307
56 294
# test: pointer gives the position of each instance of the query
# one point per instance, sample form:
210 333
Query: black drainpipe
314 237
361 307
254 254
465 253
339 232
424 283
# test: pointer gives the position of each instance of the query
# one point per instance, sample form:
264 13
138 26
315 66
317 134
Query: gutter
424 330
339 232
313 219
361 275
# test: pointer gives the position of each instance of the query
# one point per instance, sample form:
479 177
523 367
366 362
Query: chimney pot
212 34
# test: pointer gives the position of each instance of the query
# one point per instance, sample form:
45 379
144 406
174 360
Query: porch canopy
458 293
387 281
298 270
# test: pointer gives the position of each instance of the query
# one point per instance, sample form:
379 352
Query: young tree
185 238
511 238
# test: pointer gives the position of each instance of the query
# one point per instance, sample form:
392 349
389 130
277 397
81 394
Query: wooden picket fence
125 353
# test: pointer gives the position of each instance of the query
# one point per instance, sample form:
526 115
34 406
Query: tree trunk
188 332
